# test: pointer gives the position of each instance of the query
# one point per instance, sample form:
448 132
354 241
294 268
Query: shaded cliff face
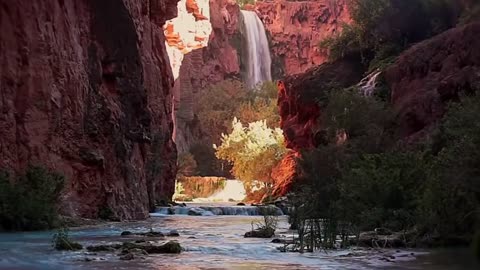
86 90
296 28
299 95
432 73
423 80
298 98
204 67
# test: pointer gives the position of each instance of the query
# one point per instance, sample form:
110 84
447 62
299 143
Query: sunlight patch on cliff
189 31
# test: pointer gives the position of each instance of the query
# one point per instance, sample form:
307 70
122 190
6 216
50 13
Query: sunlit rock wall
296 28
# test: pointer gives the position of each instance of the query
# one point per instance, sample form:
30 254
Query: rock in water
169 247
260 233
173 233
127 257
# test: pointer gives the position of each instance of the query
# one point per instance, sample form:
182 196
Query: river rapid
210 242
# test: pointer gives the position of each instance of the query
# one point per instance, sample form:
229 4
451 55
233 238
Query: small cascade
212 210
233 191
368 84
258 62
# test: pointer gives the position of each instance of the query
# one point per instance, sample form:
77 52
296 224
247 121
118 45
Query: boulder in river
129 247
127 257
194 212
102 248
260 233
63 243
173 233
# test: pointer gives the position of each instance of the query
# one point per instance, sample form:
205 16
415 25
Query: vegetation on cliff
362 176
29 202
381 29
429 192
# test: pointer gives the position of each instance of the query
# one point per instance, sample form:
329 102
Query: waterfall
258 54
368 84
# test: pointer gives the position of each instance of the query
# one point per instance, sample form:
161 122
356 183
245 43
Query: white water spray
368 84
259 62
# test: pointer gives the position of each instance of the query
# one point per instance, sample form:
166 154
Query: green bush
368 181
29 202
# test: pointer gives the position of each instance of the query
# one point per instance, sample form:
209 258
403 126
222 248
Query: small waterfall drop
259 62
368 84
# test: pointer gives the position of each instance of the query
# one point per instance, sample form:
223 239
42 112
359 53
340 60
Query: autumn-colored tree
253 150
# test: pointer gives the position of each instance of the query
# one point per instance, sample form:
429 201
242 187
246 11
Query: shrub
62 241
29 202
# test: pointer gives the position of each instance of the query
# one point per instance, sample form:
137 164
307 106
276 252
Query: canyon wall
295 30
429 75
86 90
423 81
203 67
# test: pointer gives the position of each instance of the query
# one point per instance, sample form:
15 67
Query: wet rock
125 233
140 241
282 241
260 233
104 248
169 247
127 257
67 244
135 251
173 233
152 234
194 212
240 204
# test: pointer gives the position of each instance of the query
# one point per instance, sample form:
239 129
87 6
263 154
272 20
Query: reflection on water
211 242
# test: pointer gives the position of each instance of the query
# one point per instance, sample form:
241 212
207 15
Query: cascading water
368 84
258 62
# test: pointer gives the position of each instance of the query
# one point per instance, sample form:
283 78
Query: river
210 242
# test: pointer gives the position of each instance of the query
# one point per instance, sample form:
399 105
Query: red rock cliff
86 90
432 73
207 66
299 111
296 28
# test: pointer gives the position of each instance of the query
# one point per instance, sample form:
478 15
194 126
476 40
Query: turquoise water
211 242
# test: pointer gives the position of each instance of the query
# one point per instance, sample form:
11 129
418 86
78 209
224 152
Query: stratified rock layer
432 73
296 29
86 90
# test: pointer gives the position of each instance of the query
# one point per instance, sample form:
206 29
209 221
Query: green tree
29 202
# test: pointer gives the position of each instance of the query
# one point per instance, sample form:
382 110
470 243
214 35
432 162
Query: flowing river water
210 242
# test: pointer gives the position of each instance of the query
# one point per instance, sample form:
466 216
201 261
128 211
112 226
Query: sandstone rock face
201 68
299 95
86 90
300 112
296 28
188 31
432 73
